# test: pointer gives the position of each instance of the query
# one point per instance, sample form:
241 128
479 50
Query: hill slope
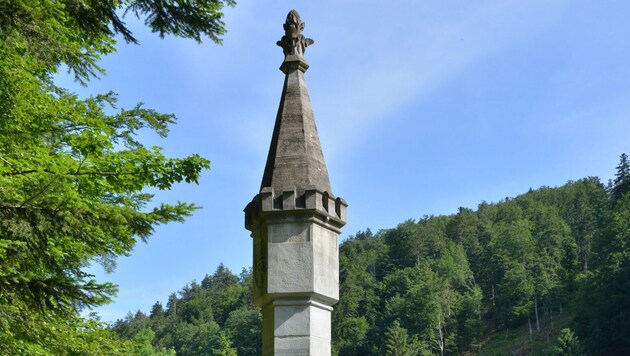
504 279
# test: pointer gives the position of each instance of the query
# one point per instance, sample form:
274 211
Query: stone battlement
299 201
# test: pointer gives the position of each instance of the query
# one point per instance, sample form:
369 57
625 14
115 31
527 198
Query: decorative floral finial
293 42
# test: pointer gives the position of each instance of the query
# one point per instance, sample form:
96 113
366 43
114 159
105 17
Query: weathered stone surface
309 201
300 327
295 156
293 42
295 221
296 253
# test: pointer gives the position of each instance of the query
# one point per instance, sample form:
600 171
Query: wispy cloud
366 70
422 58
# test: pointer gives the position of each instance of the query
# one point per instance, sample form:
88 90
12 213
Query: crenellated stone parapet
290 200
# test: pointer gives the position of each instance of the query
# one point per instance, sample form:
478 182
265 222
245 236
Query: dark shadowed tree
621 183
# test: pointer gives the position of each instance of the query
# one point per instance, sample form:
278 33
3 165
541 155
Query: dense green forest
547 272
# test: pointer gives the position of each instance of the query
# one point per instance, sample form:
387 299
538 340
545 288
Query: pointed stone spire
295 157
295 221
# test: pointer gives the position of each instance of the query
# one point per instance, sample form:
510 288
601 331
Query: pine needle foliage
76 181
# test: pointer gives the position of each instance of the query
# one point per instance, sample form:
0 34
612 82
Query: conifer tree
73 171
568 344
397 341
621 183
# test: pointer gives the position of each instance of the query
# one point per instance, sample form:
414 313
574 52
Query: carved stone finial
293 42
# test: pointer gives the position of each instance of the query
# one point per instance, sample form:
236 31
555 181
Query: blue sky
421 106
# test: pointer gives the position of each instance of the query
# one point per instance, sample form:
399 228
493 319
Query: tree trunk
585 264
536 309
441 340
480 329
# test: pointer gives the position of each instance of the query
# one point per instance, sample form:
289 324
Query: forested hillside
553 263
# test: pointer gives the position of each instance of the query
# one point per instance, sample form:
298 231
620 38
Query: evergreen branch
41 191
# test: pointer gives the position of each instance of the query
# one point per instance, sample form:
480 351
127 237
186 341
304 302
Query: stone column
295 221
296 268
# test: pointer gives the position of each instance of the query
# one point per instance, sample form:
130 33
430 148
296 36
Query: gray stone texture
295 244
295 156
295 221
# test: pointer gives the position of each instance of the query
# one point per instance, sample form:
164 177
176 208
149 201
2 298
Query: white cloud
422 57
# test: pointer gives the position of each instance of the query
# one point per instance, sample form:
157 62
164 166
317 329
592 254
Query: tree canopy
78 32
546 272
73 172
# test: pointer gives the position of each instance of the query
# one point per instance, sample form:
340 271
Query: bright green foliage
243 327
73 175
398 342
581 206
412 296
78 32
32 334
215 317
362 263
72 183
143 340
568 344
225 347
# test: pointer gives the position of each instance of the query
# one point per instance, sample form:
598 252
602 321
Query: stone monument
295 220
